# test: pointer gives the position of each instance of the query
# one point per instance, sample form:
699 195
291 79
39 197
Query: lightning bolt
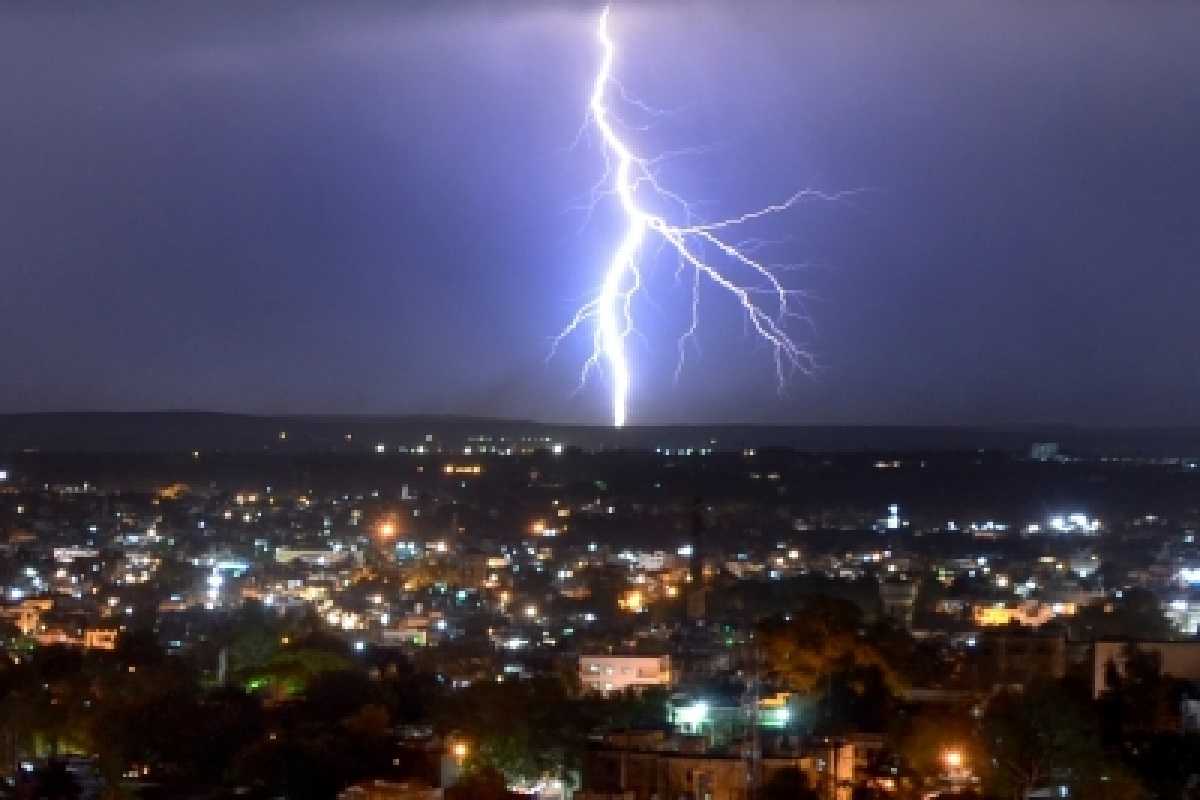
611 310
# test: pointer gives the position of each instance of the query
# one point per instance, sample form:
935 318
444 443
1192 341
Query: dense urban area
503 615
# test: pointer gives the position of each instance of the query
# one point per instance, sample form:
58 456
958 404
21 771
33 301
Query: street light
957 774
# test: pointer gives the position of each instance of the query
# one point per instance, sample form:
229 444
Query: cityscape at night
546 400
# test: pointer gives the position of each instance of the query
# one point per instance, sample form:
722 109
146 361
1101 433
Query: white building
605 674
311 557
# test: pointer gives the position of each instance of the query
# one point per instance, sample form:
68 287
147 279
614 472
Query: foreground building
645 765
389 790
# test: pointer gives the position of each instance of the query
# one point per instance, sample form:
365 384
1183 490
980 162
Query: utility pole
694 606
754 756
693 588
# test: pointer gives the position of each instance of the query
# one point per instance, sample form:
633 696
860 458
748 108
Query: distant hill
173 431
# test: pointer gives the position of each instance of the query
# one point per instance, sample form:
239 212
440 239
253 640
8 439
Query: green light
776 717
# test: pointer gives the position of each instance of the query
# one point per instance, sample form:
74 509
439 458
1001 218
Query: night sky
368 208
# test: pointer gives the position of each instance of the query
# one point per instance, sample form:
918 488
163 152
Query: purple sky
367 207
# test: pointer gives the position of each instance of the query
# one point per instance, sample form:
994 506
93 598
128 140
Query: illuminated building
1031 614
173 491
1075 523
776 711
604 673
632 601
1184 615
650 764
27 615
85 638
312 557
389 790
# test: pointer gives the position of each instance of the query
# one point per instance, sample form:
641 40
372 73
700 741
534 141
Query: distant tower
892 522
1043 451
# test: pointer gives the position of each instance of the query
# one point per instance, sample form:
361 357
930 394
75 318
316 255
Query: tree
823 651
1166 764
788 783
1048 729
52 782
929 734
290 671
822 638
144 714
1111 783
484 783
1136 615
1050 734
1139 698
336 694
531 728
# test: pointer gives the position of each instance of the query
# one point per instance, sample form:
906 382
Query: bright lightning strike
611 311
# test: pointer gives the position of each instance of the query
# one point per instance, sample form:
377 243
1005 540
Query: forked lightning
767 302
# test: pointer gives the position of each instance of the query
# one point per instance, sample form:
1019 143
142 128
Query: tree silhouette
788 783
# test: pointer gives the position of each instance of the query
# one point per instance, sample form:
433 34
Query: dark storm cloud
365 207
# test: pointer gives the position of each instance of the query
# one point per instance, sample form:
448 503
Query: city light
325 240
693 714
631 601
1073 523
